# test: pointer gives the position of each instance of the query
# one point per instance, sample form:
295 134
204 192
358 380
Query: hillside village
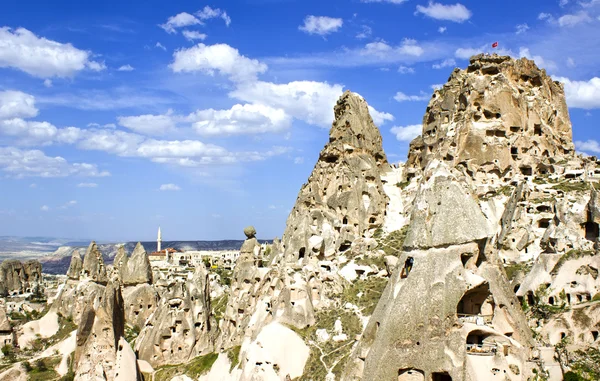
475 259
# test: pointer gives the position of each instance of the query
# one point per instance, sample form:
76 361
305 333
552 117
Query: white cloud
193 35
160 46
34 163
574 19
380 117
321 25
436 86
45 208
384 1
562 3
442 29
445 63
545 16
33 185
466 53
382 50
571 62
522 28
405 70
407 133
209 13
47 83
68 204
126 68
96 125
366 32
16 104
220 58
582 94
299 160
96 66
169 187
148 124
401 97
311 102
589 146
179 21
40 57
457 12
87 185
240 119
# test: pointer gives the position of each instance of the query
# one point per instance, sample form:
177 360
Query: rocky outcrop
496 119
76 266
18 278
140 303
343 198
181 328
136 269
93 265
100 339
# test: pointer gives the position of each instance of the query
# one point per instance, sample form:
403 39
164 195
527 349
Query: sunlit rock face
497 118
344 196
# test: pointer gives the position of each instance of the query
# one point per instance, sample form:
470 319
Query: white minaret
158 240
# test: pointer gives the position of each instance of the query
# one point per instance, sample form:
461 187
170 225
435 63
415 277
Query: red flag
495 44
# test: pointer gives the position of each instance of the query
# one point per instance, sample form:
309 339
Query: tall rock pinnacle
344 196
498 118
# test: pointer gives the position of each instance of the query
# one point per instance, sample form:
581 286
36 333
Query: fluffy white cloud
180 20
87 185
311 102
457 12
34 163
193 35
160 46
442 29
407 133
126 68
401 97
220 58
589 146
149 124
45 208
47 82
169 187
16 104
240 119
40 57
209 13
365 32
299 160
545 16
522 28
321 25
68 204
582 94
445 63
96 66
466 53
380 117
574 19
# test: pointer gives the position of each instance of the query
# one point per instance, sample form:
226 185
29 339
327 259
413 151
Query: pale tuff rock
140 303
18 278
100 340
250 250
136 269
444 212
498 118
126 364
344 197
4 323
93 265
120 260
181 328
76 266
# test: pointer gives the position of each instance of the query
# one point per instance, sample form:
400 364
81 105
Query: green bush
572 376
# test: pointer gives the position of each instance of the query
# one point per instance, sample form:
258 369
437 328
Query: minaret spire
158 240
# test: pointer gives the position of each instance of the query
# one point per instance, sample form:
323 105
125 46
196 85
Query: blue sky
117 117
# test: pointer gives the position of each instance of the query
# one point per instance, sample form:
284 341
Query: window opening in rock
441 377
411 375
472 301
301 252
544 223
527 171
537 130
595 335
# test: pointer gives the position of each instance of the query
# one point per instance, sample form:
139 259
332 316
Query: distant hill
55 254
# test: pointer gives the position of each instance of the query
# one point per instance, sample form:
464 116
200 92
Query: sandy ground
45 327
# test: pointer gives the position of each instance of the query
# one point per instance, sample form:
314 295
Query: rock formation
93 265
136 269
18 278
100 340
344 197
76 266
181 328
498 118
